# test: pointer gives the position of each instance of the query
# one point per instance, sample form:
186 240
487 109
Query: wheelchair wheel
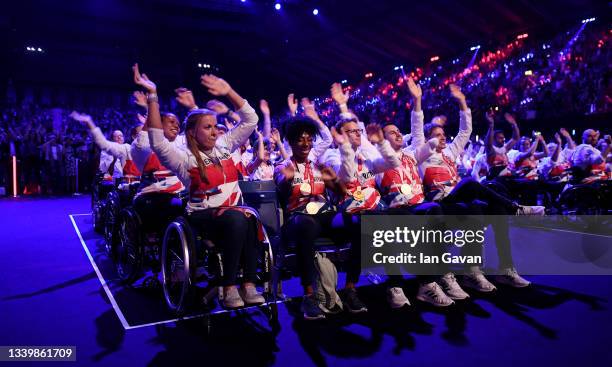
580 200
111 214
129 247
178 265
98 221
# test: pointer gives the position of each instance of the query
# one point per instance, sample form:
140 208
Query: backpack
325 284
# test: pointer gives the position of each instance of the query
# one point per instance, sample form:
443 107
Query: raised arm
465 122
324 140
530 151
185 98
490 116
544 152
292 104
345 163
174 159
557 151
516 134
239 134
275 137
259 157
416 116
571 144
117 150
389 158
267 123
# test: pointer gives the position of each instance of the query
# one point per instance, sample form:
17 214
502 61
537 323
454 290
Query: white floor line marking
124 322
574 232
102 280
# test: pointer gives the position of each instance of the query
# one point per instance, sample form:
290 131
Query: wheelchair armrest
281 218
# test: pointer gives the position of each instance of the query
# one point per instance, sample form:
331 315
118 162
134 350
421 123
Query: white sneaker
510 277
231 299
530 210
433 294
250 296
476 280
396 297
451 287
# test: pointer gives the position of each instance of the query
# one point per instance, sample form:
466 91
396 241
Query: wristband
152 97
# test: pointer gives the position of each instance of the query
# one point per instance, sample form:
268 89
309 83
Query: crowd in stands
529 78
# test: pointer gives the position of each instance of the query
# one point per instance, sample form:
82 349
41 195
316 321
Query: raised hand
140 99
327 173
309 109
414 88
490 116
509 118
217 106
143 80
558 139
263 106
275 136
339 138
185 97
292 103
80 117
375 133
608 139
564 132
338 95
215 85
455 91
142 119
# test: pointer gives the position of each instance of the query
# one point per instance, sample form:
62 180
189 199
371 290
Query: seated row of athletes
367 173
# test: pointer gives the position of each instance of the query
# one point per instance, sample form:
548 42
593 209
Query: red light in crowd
369 75
522 36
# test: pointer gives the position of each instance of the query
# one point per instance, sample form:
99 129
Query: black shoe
310 308
352 302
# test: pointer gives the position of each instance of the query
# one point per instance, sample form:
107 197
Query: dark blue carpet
50 295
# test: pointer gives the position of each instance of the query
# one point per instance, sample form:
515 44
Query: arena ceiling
268 52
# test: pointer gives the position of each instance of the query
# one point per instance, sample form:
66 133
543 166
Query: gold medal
305 189
406 189
312 208
358 194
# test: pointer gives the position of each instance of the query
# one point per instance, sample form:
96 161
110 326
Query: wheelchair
139 241
99 193
117 199
585 199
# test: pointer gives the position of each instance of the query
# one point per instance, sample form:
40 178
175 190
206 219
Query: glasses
354 131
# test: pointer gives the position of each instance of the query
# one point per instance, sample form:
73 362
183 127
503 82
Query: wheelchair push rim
177 259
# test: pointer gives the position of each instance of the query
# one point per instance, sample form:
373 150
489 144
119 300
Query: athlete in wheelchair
115 188
216 232
590 187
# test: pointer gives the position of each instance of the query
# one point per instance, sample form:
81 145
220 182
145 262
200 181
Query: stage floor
58 288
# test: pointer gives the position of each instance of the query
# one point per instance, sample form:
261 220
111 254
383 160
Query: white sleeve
174 159
463 136
322 143
389 158
426 150
416 129
141 150
117 150
239 134
344 163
